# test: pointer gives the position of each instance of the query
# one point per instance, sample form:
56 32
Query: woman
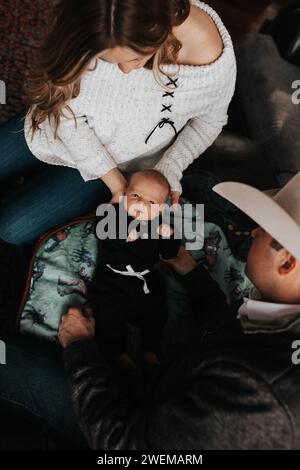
123 85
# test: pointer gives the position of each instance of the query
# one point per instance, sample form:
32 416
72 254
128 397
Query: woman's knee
17 230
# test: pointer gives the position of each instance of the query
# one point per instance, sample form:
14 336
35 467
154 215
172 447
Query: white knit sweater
116 114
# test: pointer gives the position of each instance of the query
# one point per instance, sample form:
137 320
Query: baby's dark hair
154 174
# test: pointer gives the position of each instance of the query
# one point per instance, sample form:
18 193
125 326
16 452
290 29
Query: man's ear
287 263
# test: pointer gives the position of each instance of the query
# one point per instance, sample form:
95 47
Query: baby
126 289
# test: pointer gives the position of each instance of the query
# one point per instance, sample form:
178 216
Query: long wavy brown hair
85 28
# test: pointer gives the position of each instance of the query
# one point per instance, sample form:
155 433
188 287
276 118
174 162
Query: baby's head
146 191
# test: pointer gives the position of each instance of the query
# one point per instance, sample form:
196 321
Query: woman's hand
116 196
175 195
117 184
76 326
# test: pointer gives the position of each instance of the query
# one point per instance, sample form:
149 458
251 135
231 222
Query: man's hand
183 263
76 326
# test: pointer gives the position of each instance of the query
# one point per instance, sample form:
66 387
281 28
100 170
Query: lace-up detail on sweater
166 108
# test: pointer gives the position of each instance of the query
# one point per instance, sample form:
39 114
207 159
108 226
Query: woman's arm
90 156
116 183
198 134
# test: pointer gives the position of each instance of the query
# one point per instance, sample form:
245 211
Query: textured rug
23 24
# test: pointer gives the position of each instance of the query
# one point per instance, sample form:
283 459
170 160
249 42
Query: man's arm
219 406
206 297
168 244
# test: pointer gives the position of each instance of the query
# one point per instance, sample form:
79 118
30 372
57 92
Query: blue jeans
50 196
33 382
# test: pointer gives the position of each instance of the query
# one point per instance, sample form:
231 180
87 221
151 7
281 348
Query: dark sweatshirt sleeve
221 406
169 247
206 298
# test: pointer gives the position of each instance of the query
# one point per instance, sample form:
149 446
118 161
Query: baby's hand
151 359
132 237
165 231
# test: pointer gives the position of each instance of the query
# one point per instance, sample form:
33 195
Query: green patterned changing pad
64 264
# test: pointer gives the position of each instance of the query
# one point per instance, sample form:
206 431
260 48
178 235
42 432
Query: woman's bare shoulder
201 40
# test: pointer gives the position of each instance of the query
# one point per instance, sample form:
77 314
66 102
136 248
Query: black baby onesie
136 296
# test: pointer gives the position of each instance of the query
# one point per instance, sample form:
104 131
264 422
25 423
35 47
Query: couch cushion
265 93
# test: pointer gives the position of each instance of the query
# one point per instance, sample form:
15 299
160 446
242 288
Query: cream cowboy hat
278 215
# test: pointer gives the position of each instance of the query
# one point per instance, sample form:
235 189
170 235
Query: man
237 386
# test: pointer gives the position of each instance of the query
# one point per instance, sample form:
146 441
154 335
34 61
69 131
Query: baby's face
144 197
